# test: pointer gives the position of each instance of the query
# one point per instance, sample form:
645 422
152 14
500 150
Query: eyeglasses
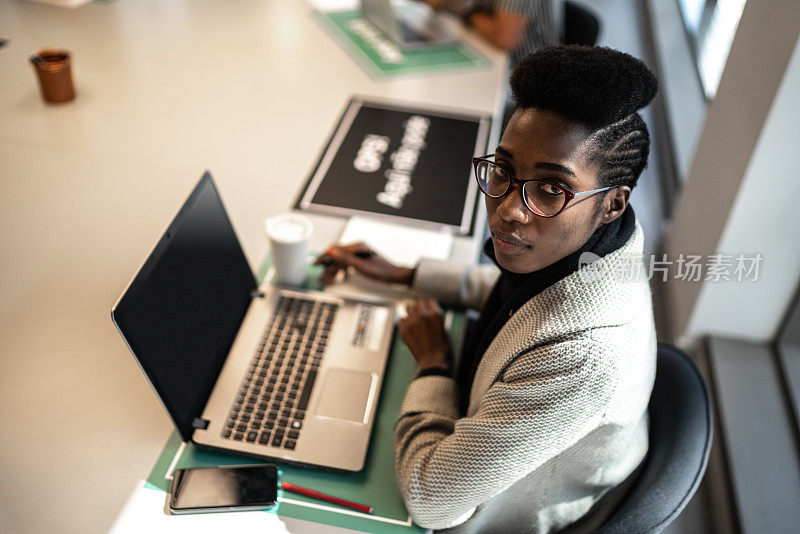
545 199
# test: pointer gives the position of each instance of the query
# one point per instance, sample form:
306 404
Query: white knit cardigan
557 411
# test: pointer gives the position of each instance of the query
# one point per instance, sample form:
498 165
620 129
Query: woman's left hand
423 331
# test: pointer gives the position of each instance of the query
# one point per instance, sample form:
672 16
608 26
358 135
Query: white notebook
401 245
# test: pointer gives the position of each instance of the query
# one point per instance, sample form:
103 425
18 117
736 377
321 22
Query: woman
543 423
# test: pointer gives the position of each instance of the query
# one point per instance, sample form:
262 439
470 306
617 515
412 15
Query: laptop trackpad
345 394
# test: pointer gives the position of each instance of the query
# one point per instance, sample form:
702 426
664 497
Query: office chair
581 26
681 423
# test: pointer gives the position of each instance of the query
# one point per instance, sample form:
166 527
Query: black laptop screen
182 310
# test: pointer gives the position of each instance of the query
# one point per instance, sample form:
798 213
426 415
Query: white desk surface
250 92
248 89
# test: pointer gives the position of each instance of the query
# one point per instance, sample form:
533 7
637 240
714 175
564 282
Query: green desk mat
374 485
427 60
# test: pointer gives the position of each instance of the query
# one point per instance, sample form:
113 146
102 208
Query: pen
323 497
327 262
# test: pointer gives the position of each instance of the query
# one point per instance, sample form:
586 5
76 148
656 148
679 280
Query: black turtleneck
512 290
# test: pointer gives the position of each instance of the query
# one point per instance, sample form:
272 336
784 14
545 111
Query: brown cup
52 65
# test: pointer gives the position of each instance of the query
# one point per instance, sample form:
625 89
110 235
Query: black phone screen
250 486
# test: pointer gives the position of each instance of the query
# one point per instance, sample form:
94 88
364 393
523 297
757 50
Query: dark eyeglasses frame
568 195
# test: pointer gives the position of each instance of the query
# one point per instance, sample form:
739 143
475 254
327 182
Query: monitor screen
183 308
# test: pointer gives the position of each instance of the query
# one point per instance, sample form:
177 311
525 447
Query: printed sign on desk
404 164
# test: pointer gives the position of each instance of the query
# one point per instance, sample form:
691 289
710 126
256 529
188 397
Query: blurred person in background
517 26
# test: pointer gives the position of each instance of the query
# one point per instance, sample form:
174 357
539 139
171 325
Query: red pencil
323 497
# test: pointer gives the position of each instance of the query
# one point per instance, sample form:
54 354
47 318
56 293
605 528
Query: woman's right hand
365 261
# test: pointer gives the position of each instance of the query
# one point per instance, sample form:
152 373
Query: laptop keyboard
410 34
270 407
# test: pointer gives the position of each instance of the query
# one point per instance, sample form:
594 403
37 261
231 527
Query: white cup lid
289 227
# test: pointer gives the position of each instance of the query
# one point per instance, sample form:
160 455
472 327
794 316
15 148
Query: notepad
401 245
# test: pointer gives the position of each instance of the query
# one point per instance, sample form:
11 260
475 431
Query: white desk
248 89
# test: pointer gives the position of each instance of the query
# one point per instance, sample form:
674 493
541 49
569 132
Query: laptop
413 27
268 371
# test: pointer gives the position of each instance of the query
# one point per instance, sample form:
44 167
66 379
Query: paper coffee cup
288 235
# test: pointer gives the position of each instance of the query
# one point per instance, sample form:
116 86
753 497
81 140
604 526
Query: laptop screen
183 308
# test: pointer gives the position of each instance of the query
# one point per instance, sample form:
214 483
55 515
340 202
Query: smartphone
224 489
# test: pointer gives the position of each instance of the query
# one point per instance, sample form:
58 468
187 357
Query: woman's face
541 145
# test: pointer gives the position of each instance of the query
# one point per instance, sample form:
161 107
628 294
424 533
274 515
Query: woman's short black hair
599 88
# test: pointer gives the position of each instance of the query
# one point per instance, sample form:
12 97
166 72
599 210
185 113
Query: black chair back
681 423
580 25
